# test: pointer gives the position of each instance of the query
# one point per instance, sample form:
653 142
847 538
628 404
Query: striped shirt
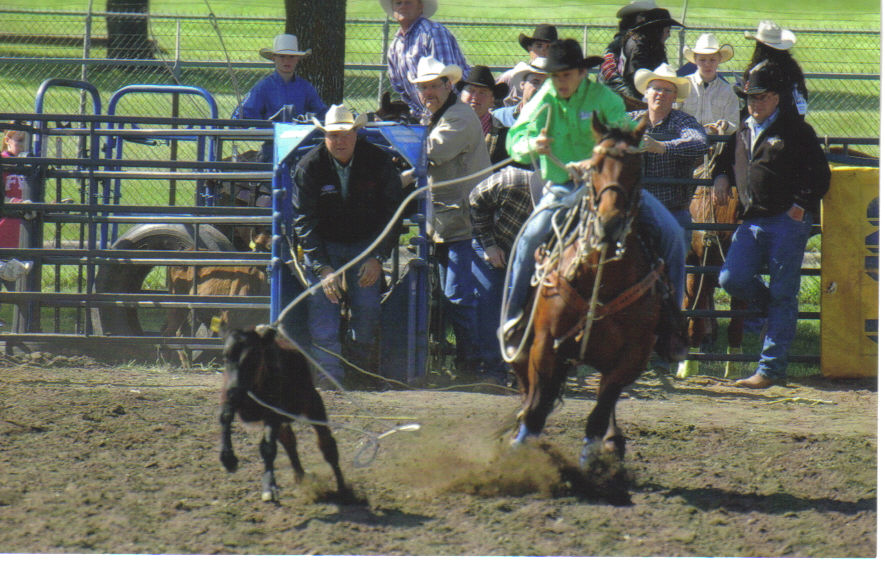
685 142
499 205
424 38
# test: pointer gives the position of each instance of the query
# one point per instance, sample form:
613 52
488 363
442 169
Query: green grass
820 13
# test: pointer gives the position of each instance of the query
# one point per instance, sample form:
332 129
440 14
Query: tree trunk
319 25
128 35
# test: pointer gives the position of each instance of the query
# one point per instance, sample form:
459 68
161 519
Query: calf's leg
268 448
290 445
228 409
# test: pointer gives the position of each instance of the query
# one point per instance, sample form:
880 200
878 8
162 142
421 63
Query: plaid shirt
424 38
499 205
685 142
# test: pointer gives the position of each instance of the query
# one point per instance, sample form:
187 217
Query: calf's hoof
229 460
271 495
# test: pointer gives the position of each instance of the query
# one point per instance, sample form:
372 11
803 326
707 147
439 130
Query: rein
556 284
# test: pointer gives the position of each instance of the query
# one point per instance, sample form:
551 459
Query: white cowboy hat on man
663 72
430 69
522 69
429 7
339 118
773 35
283 44
707 44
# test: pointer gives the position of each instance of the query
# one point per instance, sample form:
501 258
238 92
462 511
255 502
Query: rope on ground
366 454
811 401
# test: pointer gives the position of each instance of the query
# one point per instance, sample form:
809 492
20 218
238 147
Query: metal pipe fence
73 263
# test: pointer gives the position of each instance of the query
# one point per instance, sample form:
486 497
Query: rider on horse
554 129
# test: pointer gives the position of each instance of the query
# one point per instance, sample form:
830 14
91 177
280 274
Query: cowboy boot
672 331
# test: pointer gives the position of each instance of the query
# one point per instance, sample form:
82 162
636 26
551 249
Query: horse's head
615 170
396 110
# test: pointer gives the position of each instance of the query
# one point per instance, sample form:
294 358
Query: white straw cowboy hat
663 72
431 69
773 35
707 44
339 118
523 69
429 7
283 44
636 6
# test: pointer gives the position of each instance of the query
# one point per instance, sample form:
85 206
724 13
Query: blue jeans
324 316
455 263
489 284
683 218
665 231
779 243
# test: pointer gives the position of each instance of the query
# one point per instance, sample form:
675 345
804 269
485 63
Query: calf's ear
266 332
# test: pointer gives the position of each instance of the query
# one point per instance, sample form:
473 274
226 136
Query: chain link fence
221 55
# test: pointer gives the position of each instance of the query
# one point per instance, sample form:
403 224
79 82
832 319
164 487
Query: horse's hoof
587 454
521 436
616 445
688 368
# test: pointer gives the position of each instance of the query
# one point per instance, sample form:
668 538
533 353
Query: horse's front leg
268 448
602 434
698 295
546 371
228 410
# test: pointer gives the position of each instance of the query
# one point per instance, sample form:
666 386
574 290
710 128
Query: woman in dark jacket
627 19
773 43
645 46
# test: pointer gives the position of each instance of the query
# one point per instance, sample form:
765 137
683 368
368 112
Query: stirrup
510 333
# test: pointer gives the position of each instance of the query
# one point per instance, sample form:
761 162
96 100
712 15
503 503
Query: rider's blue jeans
663 228
779 243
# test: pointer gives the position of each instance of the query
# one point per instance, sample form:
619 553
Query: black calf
258 361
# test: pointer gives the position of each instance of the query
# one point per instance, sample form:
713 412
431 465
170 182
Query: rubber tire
129 278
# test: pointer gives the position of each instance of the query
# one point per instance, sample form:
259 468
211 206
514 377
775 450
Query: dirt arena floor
98 459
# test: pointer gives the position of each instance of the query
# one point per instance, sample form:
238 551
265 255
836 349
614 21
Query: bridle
594 199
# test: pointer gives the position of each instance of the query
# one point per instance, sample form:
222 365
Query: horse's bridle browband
595 198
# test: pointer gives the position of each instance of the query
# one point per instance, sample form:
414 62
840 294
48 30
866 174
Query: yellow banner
850 274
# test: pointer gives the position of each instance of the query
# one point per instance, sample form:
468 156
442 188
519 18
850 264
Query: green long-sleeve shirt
570 126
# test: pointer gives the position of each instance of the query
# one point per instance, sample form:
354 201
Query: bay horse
708 249
266 379
599 302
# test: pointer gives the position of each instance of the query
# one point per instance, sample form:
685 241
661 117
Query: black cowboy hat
764 77
565 54
480 75
657 16
544 32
